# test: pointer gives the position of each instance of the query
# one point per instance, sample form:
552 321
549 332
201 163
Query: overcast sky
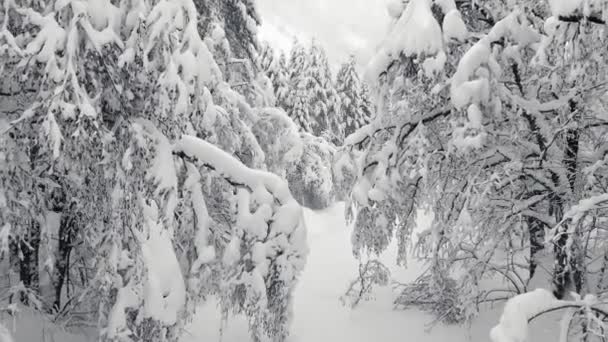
343 27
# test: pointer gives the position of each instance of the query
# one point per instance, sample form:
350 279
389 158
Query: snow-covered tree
275 68
300 107
324 101
239 18
298 61
366 105
355 110
297 100
281 82
232 26
126 124
491 116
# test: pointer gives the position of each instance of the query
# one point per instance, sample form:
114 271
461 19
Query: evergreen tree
275 69
297 100
267 61
366 105
355 109
239 19
300 110
322 95
281 82
298 62
231 27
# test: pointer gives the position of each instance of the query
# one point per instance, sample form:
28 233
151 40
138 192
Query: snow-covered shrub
344 173
439 296
310 178
279 139
372 273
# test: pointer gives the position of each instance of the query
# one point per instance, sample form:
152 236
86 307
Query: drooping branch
209 166
577 18
567 306
235 172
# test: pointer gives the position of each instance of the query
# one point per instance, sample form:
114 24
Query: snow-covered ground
318 314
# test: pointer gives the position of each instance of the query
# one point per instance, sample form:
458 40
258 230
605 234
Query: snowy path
319 315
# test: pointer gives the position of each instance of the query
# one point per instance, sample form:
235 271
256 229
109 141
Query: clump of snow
564 7
453 26
577 211
359 135
478 63
462 141
415 33
550 25
5 233
103 14
395 8
164 290
513 325
218 34
204 249
5 335
53 133
127 297
434 64
446 5
475 116
462 90
50 39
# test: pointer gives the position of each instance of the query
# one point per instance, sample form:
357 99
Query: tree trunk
67 235
28 264
537 242
568 268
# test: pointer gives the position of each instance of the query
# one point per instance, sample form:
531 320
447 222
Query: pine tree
355 110
275 69
298 62
281 82
230 27
322 94
267 61
297 100
300 111
238 18
366 105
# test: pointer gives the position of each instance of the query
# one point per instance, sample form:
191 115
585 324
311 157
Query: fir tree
281 82
322 95
355 110
275 69
297 101
300 111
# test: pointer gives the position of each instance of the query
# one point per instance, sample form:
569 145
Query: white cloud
343 27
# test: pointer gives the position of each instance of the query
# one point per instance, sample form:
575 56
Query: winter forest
170 174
